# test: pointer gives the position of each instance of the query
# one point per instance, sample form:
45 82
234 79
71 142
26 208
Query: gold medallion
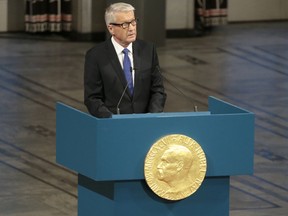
175 167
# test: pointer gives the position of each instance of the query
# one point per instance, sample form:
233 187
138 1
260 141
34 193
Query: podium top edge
218 106
161 115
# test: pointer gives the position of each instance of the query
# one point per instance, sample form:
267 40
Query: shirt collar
119 48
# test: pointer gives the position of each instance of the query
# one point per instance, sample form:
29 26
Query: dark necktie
128 70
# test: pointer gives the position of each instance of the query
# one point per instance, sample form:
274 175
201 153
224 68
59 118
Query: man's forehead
125 16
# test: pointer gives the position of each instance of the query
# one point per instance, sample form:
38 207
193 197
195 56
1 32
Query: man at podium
122 74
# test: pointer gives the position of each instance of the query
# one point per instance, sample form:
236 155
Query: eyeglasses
126 24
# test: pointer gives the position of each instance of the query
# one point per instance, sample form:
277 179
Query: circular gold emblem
175 167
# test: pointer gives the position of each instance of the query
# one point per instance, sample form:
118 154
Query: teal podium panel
109 156
135 198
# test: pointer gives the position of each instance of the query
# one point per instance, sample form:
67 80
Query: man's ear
180 165
110 29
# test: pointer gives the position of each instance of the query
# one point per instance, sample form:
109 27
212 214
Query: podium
109 154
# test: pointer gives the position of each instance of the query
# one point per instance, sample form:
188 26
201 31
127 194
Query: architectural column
3 15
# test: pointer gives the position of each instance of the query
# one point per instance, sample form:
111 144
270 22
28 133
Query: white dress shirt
119 51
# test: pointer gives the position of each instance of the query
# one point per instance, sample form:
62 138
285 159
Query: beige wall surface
179 14
257 10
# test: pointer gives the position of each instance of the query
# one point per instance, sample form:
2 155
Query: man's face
167 168
123 36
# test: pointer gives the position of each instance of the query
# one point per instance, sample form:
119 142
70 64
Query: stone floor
245 64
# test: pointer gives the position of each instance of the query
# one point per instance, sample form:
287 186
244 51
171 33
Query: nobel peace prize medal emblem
175 167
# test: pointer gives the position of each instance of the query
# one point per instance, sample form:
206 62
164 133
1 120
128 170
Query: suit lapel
137 66
115 62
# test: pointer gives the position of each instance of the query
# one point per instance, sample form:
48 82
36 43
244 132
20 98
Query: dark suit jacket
104 81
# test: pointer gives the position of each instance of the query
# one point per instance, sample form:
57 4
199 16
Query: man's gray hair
115 8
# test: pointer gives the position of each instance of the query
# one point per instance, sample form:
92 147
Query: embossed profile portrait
174 167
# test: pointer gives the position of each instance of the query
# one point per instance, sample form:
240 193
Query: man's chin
132 38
